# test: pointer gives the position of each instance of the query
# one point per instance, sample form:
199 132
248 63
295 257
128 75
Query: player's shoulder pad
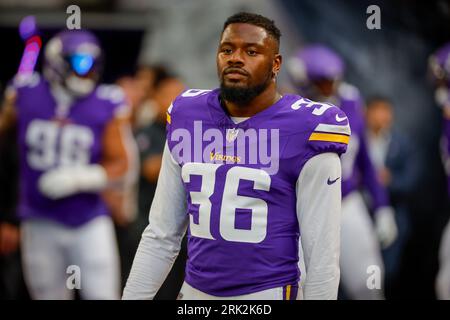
114 95
184 100
327 126
348 91
110 92
30 80
190 96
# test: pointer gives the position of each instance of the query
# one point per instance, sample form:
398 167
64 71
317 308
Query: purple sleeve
370 180
445 150
327 130
330 133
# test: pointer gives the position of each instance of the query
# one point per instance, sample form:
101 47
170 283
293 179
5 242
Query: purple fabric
445 135
36 108
440 63
320 62
363 173
226 268
446 148
293 291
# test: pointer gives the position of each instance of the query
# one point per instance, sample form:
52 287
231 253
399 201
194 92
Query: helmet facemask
72 61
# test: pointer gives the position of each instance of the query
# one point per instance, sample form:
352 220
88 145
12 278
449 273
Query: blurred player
394 156
317 72
439 64
72 136
244 211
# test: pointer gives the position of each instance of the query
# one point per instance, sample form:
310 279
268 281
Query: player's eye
227 51
251 52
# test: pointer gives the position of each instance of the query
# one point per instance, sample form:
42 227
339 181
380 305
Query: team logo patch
232 134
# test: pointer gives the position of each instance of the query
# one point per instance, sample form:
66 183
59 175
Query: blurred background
155 48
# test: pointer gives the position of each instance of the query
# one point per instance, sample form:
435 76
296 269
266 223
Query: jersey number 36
230 202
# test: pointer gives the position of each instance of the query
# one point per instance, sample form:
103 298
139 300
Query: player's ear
277 61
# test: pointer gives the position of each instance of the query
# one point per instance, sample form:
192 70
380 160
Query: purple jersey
357 168
445 149
443 100
240 182
47 141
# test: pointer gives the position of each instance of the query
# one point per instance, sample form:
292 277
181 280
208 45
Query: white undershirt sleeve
161 240
319 213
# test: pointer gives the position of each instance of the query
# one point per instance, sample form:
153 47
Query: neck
267 98
61 94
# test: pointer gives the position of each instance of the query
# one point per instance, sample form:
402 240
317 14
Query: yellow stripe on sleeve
329 137
168 118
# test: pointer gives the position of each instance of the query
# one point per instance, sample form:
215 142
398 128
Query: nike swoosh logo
330 182
339 119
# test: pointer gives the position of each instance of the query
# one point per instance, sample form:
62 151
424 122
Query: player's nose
236 58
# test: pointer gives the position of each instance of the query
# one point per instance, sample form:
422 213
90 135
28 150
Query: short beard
242 96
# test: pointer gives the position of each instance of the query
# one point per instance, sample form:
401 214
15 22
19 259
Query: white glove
69 180
385 226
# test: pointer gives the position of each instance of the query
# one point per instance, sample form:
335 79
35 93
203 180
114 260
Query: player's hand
9 238
385 226
58 183
69 180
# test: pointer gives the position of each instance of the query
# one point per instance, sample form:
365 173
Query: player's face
379 116
325 87
247 59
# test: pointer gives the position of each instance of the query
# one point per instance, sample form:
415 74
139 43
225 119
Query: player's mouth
235 74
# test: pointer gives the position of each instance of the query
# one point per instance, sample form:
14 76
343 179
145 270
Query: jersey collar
223 120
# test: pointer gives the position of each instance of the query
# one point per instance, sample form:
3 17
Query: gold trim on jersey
329 137
288 292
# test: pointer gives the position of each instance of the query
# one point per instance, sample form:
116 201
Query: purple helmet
439 63
315 62
73 58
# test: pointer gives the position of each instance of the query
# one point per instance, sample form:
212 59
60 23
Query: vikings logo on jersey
240 181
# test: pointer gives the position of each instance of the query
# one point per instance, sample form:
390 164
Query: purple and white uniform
358 171
315 62
240 184
52 135
75 230
357 167
69 164
308 66
443 99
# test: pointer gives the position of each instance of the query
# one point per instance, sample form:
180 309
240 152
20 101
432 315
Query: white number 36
230 202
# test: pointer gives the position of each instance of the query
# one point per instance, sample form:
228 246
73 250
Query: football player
439 64
245 171
75 148
317 72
